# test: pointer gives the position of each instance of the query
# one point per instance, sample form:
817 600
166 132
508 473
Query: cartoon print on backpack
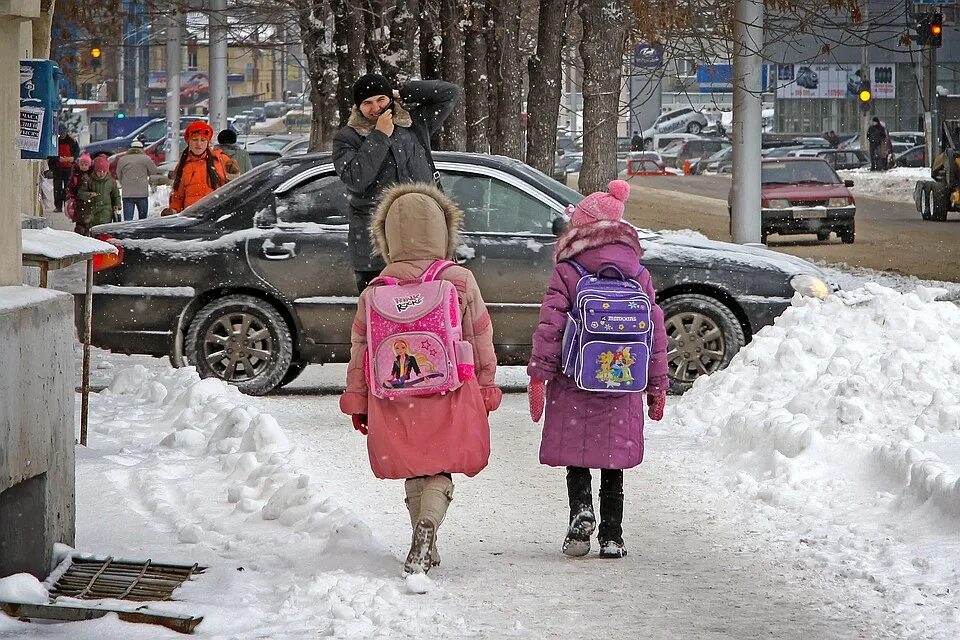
615 367
406 364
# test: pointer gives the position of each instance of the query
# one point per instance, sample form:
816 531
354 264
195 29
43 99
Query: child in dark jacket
583 429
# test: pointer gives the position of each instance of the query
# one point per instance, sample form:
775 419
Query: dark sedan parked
254 282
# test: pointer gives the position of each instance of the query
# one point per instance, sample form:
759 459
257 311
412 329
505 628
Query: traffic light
865 96
930 29
95 53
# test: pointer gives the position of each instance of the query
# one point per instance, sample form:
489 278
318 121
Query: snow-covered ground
811 490
896 184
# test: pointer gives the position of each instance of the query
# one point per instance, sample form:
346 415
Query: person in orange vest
201 169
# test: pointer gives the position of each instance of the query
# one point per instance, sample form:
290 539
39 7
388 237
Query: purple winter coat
585 428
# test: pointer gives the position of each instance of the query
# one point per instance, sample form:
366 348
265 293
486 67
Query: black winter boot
610 535
582 519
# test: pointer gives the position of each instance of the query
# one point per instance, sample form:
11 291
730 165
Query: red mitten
538 397
656 402
360 422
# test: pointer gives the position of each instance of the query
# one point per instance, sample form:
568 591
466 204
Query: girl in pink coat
587 430
424 439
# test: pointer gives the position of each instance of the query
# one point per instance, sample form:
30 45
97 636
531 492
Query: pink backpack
415 344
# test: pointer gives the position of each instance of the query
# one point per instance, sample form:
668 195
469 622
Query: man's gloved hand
656 402
537 393
360 422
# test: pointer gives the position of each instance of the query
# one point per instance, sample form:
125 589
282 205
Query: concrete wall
36 427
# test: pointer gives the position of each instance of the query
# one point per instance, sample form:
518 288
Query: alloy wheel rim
696 346
237 347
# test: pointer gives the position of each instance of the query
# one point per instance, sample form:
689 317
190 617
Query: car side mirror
848 183
558 226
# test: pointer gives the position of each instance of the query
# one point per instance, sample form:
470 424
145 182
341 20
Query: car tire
293 372
924 203
214 330
695 128
823 236
847 234
694 321
939 201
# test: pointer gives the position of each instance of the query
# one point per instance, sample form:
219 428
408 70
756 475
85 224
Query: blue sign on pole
39 104
647 56
718 78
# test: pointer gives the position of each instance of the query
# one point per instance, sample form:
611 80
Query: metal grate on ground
96 578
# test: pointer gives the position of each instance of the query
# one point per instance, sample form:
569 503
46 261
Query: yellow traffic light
865 95
95 52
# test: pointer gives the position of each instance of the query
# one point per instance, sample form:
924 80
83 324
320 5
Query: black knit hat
372 84
227 136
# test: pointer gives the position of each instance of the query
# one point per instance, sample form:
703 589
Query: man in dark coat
61 166
636 142
876 136
384 144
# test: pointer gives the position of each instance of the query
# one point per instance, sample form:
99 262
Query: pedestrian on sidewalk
61 166
76 207
201 169
227 143
134 170
422 439
101 196
386 143
876 137
596 429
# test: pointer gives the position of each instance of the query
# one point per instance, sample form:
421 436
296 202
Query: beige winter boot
414 489
436 495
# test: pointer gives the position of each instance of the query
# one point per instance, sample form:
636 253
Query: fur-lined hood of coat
415 221
576 240
359 123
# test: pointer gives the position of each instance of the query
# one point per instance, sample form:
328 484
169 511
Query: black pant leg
579 490
59 189
611 506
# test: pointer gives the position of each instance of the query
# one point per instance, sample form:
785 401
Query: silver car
687 120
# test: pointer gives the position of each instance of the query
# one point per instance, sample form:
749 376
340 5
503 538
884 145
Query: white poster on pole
31 128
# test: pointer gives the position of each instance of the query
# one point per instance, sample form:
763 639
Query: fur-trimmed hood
576 240
415 221
359 123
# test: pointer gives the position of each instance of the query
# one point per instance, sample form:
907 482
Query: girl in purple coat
587 430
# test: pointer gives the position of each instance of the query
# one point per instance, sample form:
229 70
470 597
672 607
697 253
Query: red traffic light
936 30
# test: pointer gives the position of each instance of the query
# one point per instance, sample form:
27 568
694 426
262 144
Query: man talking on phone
386 142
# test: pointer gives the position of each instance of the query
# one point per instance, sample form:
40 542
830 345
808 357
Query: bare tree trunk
475 87
454 136
314 36
504 69
41 30
349 44
372 22
429 40
545 72
398 61
605 27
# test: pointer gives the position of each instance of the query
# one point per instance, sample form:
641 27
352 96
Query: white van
687 120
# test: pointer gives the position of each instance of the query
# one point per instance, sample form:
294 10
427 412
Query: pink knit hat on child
602 205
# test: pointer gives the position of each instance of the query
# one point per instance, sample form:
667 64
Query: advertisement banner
718 78
31 129
194 87
833 80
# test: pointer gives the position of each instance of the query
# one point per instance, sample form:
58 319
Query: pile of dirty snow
842 423
896 184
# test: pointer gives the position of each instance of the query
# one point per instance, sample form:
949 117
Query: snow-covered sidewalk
896 184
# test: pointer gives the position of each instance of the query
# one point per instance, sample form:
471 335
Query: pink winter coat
586 428
425 435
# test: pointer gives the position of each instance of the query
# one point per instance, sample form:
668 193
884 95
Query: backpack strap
576 265
434 270
613 267
383 280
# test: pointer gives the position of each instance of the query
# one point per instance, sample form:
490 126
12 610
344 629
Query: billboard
718 78
194 87
834 80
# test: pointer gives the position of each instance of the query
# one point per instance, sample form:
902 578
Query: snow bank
895 184
24 589
843 419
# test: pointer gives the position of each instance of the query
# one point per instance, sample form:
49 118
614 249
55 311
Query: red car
646 164
805 195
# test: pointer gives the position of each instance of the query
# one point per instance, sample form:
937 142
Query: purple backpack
608 337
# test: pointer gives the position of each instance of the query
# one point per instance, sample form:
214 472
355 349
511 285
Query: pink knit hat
602 205
101 163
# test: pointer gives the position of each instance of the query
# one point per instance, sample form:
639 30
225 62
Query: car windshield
719 155
250 182
803 172
673 146
276 143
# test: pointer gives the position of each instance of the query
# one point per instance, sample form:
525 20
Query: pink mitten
538 397
656 402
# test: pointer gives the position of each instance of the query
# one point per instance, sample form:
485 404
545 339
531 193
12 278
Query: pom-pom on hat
602 205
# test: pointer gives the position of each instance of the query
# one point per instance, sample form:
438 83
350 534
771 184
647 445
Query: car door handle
464 254
284 251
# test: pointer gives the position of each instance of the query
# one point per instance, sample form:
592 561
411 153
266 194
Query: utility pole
218 65
930 115
865 77
745 224
174 65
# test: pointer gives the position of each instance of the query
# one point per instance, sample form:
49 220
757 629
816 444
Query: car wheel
847 235
694 128
703 335
296 368
242 340
924 203
939 201
763 237
823 236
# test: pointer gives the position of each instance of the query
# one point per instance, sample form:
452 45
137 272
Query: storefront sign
834 80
